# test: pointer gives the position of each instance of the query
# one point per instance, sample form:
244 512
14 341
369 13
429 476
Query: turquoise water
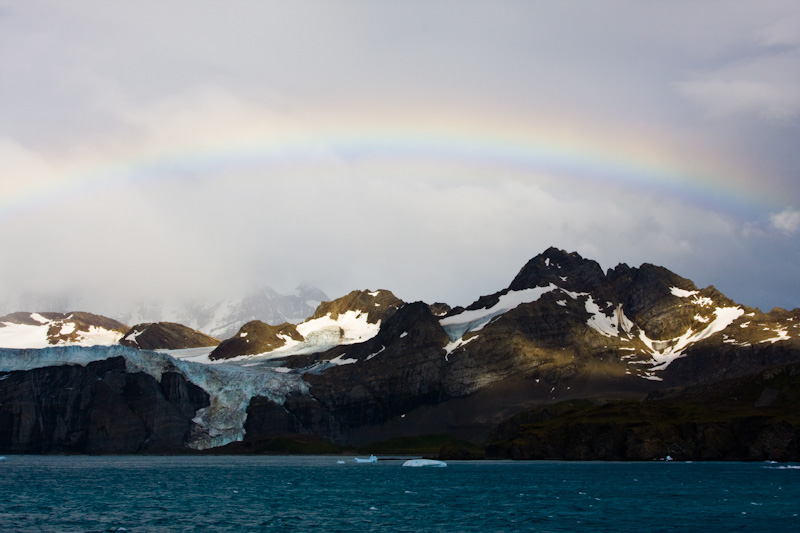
75 493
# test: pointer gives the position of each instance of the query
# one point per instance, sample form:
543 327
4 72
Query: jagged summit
567 270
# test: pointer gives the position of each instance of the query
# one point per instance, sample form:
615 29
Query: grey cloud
153 92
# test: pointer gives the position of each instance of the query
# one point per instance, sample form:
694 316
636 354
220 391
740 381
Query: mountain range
568 361
219 318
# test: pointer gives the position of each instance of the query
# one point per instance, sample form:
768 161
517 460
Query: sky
193 149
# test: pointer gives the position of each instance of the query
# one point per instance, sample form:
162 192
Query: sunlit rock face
166 336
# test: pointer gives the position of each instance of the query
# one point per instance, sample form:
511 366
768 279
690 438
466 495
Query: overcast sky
175 149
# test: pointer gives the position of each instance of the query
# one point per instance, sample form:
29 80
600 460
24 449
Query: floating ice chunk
371 459
424 462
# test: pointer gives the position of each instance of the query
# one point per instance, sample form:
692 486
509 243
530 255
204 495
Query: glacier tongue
230 388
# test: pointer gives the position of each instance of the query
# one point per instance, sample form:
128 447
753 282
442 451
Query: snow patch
608 326
40 319
351 325
664 352
682 293
457 325
340 360
133 335
370 356
23 336
783 335
450 347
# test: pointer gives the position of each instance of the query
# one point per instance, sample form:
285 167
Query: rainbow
551 153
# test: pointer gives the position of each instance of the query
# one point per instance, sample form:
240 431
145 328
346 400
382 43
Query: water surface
77 493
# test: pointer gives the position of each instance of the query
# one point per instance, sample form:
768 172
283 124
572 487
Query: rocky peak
641 288
415 320
166 336
256 337
377 305
561 268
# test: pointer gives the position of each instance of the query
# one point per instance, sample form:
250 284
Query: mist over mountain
219 318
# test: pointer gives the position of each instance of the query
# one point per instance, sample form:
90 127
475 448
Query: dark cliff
99 408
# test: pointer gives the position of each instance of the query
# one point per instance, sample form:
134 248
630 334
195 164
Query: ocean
222 493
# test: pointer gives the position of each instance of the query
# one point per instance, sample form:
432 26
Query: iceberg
424 462
372 459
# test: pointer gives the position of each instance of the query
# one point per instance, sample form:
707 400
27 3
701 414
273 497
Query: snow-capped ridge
41 330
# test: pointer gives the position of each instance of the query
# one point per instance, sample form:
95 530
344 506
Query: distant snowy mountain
222 319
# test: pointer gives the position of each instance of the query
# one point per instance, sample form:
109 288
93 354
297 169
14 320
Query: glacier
230 387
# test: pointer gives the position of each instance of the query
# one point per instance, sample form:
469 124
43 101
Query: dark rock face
568 270
396 372
165 336
99 408
730 420
255 337
440 309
